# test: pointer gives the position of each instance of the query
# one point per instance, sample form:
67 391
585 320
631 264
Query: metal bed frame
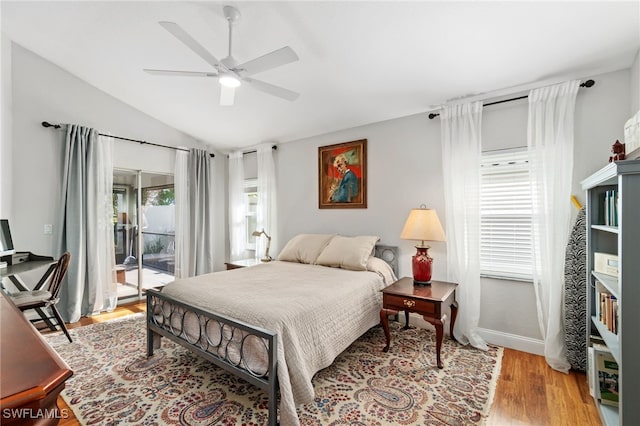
167 317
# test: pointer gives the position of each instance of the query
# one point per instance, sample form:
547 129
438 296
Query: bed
261 324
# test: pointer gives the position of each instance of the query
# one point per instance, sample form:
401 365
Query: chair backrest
58 275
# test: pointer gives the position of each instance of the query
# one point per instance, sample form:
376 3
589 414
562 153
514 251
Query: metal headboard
389 254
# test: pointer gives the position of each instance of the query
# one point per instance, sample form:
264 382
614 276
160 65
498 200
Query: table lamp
266 257
422 225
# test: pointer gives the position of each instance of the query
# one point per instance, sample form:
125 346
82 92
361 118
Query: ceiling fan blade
272 90
180 73
270 60
227 95
190 42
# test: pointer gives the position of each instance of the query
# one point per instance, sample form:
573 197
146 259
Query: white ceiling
360 61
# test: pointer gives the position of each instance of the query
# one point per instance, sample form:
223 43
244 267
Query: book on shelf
606 369
597 344
608 209
607 312
591 370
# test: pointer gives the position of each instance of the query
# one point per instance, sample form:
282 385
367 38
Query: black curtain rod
587 83
274 147
58 126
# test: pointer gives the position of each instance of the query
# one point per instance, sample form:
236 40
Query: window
505 216
158 196
250 209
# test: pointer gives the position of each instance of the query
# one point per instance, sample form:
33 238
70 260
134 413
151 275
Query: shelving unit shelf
622 240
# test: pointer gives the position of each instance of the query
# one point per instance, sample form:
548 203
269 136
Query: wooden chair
40 300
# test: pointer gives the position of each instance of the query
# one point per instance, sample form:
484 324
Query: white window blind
505 216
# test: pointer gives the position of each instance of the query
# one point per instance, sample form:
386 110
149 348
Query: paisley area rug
114 383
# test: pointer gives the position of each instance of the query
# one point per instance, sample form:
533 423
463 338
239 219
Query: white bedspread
316 311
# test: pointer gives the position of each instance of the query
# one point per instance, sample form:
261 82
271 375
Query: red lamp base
422 266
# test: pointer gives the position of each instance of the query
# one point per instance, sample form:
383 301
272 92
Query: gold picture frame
342 175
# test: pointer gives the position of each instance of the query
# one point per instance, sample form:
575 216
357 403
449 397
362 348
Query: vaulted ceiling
359 61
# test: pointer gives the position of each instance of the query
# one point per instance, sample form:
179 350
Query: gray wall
404 171
42 91
635 85
6 168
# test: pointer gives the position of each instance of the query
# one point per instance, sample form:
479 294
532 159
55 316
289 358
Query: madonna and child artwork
342 175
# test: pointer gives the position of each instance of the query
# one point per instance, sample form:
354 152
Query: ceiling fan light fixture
229 73
229 80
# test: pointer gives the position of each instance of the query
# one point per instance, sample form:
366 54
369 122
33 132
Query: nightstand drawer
401 303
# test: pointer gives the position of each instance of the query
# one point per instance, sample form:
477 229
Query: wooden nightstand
427 301
242 263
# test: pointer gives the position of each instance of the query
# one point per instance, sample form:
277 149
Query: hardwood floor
528 391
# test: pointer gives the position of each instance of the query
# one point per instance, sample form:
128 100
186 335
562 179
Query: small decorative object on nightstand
266 257
422 225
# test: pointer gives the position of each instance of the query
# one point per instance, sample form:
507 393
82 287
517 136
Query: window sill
500 277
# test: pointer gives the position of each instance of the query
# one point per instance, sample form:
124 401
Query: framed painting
342 175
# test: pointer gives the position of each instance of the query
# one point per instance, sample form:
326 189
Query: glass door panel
158 230
120 209
144 231
125 228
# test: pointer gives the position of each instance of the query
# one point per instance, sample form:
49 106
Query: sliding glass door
144 231
158 233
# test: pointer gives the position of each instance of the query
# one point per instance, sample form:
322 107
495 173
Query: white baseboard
513 341
507 340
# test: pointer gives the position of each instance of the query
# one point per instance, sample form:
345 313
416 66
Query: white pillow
383 269
305 248
348 252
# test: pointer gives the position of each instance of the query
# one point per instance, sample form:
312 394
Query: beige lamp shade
423 225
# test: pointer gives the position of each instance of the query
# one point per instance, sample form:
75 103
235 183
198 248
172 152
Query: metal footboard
217 338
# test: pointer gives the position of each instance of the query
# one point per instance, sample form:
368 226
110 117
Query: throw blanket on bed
316 311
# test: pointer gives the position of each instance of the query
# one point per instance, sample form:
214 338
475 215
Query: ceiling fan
229 73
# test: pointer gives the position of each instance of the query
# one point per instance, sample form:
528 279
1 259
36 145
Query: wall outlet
48 229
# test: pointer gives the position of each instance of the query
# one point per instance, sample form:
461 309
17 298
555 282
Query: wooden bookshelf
623 240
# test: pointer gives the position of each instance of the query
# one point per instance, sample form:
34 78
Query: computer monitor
6 243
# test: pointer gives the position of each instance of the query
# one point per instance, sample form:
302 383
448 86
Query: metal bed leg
273 402
153 339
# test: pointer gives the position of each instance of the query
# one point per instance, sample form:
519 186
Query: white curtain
194 215
236 205
100 217
266 210
86 224
181 190
461 155
550 143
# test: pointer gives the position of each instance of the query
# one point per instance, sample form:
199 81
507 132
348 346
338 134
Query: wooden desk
32 263
427 301
32 374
